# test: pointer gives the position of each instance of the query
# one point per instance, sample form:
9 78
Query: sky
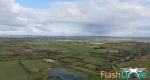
119 18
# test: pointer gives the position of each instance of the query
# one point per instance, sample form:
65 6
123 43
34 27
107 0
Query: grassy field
35 65
22 60
12 71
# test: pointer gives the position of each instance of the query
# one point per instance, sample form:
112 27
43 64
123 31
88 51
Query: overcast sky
125 18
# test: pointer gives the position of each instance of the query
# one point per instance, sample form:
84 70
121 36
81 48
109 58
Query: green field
12 70
24 60
34 65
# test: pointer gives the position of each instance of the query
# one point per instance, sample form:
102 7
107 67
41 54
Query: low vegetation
25 59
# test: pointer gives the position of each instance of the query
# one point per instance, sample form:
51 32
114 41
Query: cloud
84 17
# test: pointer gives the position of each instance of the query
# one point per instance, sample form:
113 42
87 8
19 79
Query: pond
60 74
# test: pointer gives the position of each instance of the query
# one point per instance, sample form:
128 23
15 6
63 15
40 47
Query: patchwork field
38 59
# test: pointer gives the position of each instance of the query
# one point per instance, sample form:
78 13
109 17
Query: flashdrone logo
126 73
131 73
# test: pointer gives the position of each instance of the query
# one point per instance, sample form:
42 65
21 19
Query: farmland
36 59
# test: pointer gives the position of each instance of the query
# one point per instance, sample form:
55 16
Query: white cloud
86 17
